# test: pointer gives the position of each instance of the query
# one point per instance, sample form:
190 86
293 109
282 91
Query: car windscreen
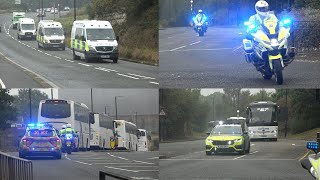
41 133
142 133
53 31
100 34
262 114
55 110
230 130
27 27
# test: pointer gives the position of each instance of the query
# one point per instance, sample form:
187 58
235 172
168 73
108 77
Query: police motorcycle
312 163
269 51
67 143
199 26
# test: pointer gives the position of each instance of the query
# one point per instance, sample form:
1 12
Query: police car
40 140
50 34
228 137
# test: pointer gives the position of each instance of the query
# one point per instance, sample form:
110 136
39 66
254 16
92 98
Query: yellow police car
40 140
228 138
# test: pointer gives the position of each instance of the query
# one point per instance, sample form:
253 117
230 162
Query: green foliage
7 110
22 103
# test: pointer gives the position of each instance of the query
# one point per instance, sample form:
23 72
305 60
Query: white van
26 29
50 34
92 39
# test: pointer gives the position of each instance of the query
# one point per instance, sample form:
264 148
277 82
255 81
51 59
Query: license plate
222 146
55 46
105 56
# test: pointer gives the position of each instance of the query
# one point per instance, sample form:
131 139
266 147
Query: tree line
187 111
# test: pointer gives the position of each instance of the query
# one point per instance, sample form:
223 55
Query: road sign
17 1
162 113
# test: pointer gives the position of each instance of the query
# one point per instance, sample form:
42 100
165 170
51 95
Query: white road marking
252 145
117 163
240 157
123 158
2 84
142 162
195 43
39 50
293 144
254 152
27 45
145 77
121 169
154 158
83 163
199 152
85 64
57 57
178 48
67 157
150 178
140 166
127 76
68 60
154 82
48 54
102 69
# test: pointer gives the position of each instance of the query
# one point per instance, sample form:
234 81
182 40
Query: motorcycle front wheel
278 71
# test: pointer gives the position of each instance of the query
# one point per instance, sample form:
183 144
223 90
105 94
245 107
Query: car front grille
104 48
28 33
55 41
222 142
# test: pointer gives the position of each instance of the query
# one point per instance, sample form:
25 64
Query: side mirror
208 133
117 38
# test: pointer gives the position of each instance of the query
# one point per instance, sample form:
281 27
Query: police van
26 29
50 34
92 39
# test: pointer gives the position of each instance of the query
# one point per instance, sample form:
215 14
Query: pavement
266 160
23 65
217 61
86 165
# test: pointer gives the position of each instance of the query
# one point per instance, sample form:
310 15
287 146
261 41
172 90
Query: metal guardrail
102 176
14 168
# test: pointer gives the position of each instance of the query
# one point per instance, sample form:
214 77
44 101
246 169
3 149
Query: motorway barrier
102 176
14 168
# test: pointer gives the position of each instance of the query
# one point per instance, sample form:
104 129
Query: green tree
7 110
22 103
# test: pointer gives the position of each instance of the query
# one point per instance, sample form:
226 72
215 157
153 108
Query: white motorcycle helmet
64 126
262 8
68 125
200 11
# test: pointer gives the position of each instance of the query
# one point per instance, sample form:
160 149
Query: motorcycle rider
200 18
62 132
70 130
262 9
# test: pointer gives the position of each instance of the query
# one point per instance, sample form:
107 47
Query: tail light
27 142
55 142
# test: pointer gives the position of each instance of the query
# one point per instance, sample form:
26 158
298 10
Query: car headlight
238 140
274 42
209 140
46 41
91 48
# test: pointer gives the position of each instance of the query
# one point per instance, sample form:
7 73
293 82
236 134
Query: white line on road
57 57
145 77
127 76
217 49
140 166
83 163
178 48
252 145
121 169
27 45
240 157
68 60
48 54
293 144
117 163
254 152
123 158
2 84
228 159
67 157
85 64
154 158
151 82
102 69
149 178
39 50
142 162
195 43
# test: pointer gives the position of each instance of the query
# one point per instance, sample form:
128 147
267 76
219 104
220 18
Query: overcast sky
142 101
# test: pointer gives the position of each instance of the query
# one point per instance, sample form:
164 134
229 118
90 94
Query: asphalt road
267 160
86 165
55 68
217 61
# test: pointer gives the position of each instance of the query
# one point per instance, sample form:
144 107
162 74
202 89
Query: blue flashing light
40 125
246 23
286 21
31 125
313 145
69 136
252 26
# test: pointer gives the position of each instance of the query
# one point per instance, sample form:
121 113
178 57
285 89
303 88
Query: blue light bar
246 23
313 145
286 21
30 125
40 125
